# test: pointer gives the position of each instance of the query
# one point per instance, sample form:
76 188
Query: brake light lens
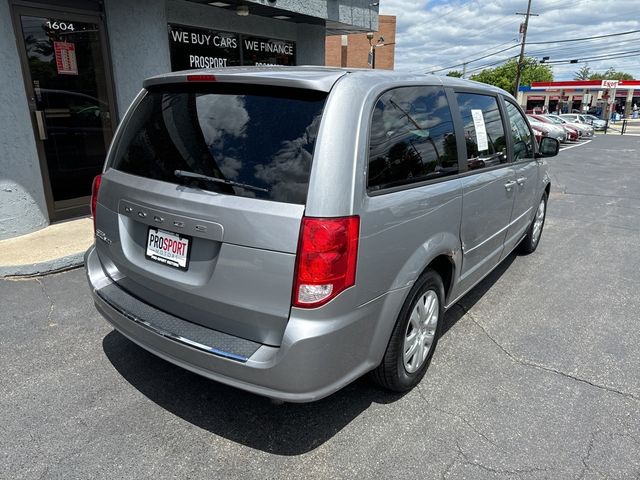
326 259
201 78
94 198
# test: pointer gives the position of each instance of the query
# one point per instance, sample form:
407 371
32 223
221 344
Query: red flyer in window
65 58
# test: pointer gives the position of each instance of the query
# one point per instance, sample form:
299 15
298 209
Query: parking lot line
577 145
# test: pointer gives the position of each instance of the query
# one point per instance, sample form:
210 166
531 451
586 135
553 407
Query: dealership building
70 68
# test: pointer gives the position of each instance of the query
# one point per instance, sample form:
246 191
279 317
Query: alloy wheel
421 331
537 223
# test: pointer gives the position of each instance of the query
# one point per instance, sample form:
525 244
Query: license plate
168 248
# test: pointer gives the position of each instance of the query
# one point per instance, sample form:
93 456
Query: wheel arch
444 265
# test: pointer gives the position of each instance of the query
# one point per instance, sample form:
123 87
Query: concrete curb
43 268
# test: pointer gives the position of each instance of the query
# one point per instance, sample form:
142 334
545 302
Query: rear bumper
322 349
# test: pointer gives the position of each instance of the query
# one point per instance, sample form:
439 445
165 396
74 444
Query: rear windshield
256 141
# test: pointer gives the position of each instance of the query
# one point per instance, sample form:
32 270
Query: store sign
192 47
265 51
65 53
202 48
609 84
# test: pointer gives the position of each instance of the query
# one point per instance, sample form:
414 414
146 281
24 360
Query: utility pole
524 40
464 69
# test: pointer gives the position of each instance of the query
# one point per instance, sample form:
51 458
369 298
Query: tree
584 73
504 76
454 73
611 74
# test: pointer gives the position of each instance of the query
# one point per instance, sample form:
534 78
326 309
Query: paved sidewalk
54 248
633 127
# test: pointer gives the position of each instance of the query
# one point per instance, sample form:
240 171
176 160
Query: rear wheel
414 336
532 238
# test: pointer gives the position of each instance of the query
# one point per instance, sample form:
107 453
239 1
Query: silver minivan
287 230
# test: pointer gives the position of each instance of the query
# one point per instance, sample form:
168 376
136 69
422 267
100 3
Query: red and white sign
65 58
610 83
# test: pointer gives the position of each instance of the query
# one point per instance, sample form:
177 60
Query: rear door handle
521 181
509 185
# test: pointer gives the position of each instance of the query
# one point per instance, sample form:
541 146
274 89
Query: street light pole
372 50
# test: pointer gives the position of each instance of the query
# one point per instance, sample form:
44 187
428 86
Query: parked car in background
287 230
573 134
551 130
575 118
597 123
586 131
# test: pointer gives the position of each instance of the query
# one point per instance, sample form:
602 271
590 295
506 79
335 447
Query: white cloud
435 34
288 170
221 115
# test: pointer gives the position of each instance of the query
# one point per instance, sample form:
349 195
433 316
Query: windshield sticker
481 130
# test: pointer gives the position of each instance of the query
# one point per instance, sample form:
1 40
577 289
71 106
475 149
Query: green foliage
504 76
454 73
611 74
583 74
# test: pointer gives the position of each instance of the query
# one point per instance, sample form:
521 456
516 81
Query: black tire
391 373
529 243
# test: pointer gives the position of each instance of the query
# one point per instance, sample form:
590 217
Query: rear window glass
252 141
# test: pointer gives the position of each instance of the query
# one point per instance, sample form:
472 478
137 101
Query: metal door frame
64 209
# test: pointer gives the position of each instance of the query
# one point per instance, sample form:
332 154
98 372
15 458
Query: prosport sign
202 48
192 48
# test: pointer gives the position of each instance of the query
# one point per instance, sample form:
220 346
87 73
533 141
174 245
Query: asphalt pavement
536 376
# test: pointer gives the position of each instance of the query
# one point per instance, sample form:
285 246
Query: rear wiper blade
199 176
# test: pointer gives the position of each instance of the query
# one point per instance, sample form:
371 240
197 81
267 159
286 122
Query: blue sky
434 34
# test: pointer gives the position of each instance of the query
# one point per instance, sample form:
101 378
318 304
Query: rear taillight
94 198
326 259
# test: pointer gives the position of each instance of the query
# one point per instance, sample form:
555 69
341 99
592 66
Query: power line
465 60
610 56
582 45
475 59
492 64
582 49
585 38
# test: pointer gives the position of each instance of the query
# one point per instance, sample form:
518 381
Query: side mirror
549 147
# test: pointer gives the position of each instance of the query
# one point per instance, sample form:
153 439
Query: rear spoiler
305 78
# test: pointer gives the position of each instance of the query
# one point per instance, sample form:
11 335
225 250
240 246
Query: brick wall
356 52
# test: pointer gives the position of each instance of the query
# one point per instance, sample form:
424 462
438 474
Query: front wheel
532 238
414 336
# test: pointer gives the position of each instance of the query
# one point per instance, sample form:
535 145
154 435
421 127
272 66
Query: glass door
70 97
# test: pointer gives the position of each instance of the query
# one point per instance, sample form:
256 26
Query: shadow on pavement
288 429
251 420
